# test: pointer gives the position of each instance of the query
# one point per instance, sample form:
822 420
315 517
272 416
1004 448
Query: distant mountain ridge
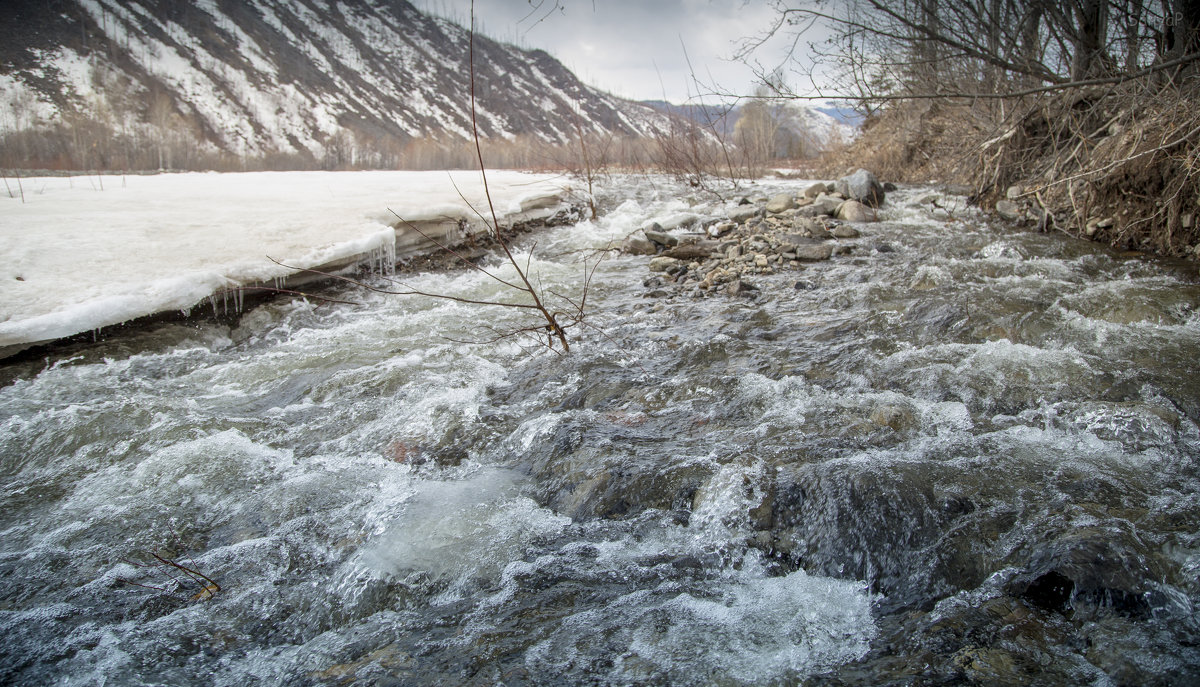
255 78
820 123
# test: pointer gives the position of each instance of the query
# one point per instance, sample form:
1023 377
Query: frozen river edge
87 253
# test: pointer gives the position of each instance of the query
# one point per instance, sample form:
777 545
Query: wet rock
861 186
740 288
690 251
1091 568
990 666
780 203
1009 210
854 211
660 237
813 252
743 213
843 231
637 245
663 264
898 417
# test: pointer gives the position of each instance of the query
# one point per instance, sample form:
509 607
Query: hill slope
313 79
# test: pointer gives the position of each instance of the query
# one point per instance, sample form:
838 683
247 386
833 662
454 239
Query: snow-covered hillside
812 126
83 253
261 77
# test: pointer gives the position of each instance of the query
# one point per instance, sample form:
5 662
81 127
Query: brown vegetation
1084 112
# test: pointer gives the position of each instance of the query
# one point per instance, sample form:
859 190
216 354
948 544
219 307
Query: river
959 453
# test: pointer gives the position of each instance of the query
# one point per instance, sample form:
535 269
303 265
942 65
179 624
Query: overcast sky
632 48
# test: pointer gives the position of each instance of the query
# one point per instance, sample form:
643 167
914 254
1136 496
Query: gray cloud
632 48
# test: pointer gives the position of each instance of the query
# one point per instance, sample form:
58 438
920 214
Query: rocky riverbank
758 236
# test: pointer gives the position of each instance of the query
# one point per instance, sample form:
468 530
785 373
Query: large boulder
861 186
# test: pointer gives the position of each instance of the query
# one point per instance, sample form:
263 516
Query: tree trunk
1090 35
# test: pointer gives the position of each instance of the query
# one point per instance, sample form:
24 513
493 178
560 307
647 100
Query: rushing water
960 453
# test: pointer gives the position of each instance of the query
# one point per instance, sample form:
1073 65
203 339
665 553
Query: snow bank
83 253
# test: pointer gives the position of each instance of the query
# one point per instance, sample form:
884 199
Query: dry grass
1119 164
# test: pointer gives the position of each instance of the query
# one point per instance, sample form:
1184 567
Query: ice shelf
85 252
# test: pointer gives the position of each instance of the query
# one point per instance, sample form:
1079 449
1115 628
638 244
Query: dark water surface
959 454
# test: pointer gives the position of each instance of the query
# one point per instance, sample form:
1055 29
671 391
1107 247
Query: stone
743 213
780 203
814 190
660 237
690 251
863 187
662 264
896 417
854 211
1014 192
813 252
721 228
1009 210
843 231
636 245
823 205
760 260
738 287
